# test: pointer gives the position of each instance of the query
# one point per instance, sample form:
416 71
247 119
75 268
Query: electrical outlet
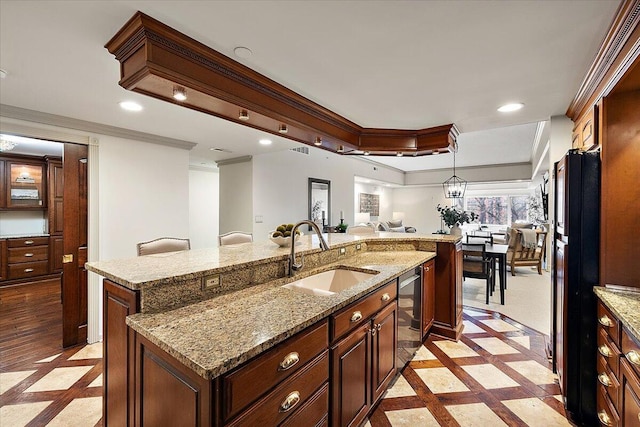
358 247
211 281
259 219
343 251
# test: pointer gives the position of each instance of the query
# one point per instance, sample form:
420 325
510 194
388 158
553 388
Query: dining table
499 253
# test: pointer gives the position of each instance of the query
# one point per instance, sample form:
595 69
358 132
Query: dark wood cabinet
27 257
25 184
629 395
428 296
167 393
3 259
448 294
363 364
55 184
585 131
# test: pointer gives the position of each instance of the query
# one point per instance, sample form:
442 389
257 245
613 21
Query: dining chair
478 239
235 237
163 244
478 265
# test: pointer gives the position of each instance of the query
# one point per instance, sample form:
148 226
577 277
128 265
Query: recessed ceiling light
265 141
366 153
318 142
433 153
399 154
242 52
244 115
340 149
130 106
283 128
507 108
179 93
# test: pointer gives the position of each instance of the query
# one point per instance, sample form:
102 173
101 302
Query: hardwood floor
40 383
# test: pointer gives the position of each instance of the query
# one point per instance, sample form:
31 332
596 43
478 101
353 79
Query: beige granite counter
625 305
176 267
215 335
22 235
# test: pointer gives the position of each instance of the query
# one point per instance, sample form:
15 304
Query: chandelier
454 187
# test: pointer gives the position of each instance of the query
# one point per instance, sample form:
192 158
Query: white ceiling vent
301 150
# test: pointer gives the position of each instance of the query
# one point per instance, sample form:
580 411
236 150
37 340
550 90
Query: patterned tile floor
496 375
61 390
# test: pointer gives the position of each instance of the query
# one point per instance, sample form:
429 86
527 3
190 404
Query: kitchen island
195 320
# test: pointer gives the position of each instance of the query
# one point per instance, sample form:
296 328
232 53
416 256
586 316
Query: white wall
20 222
236 200
419 207
386 201
203 208
144 194
280 185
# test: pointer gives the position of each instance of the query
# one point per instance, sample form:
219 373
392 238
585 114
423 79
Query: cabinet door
3 186
3 259
25 185
428 296
55 183
630 395
56 251
351 377
383 355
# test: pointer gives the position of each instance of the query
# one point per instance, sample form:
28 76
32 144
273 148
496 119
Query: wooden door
383 355
74 276
428 296
351 377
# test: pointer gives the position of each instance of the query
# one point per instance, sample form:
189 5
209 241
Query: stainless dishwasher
409 315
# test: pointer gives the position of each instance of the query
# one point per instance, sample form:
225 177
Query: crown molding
155 58
233 161
620 48
90 127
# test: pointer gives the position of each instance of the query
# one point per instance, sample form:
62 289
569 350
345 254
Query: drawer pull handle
604 350
29 255
28 270
604 380
605 321
289 361
604 418
385 297
356 316
427 268
633 357
290 401
373 331
28 242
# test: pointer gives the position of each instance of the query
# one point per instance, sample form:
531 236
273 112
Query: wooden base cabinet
448 291
428 296
363 365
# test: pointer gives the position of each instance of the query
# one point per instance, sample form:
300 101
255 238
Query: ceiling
385 64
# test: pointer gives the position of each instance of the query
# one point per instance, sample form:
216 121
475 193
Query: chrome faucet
292 256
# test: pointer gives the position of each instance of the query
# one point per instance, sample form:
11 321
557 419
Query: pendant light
454 187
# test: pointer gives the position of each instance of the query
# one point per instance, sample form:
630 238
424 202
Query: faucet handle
296 267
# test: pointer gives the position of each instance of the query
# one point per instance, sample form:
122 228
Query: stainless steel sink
330 282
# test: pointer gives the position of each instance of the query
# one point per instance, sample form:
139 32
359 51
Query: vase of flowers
454 218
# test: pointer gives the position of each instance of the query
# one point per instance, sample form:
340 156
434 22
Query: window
498 210
519 208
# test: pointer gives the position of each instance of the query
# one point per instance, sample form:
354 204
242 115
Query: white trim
13 127
94 283
536 139
542 157
83 125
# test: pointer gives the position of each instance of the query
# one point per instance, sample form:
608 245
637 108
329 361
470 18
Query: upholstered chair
163 244
235 237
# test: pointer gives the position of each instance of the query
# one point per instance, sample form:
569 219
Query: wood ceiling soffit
154 58
619 50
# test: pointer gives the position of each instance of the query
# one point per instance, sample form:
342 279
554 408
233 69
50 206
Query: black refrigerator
575 272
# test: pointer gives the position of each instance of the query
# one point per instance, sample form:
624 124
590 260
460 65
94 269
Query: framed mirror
320 202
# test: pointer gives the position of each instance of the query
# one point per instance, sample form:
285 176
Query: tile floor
496 375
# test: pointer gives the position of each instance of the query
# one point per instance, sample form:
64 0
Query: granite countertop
174 267
625 305
23 235
213 336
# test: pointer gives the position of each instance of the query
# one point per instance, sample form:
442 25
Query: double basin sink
330 282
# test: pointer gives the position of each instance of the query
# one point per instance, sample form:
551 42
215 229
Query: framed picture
370 203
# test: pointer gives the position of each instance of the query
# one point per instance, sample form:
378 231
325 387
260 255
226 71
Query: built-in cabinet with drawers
26 184
618 398
585 131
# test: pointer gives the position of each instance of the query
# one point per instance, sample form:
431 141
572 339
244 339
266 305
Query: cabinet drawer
631 351
360 311
32 253
608 380
314 413
609 323
608 352
606 412
27 241
629 396
288 397
246 384
28 269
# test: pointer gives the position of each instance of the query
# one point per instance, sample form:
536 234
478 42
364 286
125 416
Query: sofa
394 225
